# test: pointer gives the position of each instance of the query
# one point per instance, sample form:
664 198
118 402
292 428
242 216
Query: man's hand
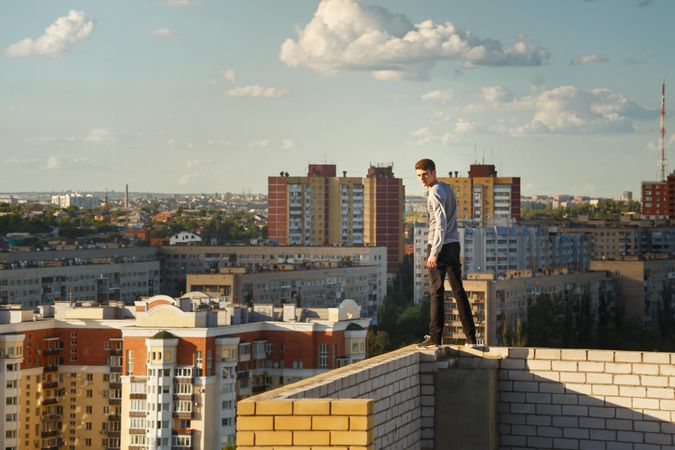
431 262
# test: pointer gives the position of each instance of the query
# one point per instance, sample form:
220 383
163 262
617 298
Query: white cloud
57 39
426 136
588 59
193 163
181 3
163 33
496 94
349 35
440 96
441 116
256 90
464 126
287 144
49 140
187 178
100 136
568 110
672 139
171 141
229 75
260 143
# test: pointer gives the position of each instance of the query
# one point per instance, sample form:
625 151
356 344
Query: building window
323 356
130 362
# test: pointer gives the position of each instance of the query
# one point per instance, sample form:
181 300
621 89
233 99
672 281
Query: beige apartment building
316 285
498 302
640 284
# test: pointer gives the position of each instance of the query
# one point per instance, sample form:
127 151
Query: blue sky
214 96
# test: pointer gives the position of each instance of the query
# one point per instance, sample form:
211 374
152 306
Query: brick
564 399
361 423
547 353
311 438
650 447
626 402
628 380
601 389
646 403
599 378
565 444
516 441
339 423
274 407
656 358
578 388
245 408
632 391
525 386
568 422
617 368
512 364
515 419
604 411
273 437
591 445
667 369
658 438
628 357
645 369
245 437
352 407
572 377
571 410
575 433
552 388
587 366
591 422
619 424
536 364
652 427
666 393
255 423
538 398
652 414
564 366
550 376
648 380
292 423
549 432
520 375
574 355
666 405
350 437
629 436
539 420
524 430
603 435
600 355
539 442
552 410
522 408
311 407
619 446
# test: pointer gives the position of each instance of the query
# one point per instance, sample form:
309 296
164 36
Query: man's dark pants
448 263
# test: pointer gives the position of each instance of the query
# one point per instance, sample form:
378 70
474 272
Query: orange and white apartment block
164 373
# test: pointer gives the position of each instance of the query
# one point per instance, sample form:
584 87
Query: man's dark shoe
427 343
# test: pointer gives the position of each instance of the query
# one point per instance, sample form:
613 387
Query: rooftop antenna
663 162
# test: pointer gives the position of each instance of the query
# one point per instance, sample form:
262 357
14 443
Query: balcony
50 385
49 401
51 351
50 433
182 414
50 369
114 401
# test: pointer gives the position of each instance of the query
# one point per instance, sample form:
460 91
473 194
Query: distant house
185 238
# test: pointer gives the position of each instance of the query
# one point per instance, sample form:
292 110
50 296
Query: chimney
344 173
450 174
126 196
456 173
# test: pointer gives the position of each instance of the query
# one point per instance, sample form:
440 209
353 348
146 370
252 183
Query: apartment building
658 198
323 209
178 261
35 278
483 196
318 285
497 302
162 374
500 249
86 201
640 285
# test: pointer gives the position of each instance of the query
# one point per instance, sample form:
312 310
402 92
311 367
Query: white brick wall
586 399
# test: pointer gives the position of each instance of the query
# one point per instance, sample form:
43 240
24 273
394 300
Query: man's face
426 177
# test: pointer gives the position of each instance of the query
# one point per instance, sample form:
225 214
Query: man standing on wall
443 255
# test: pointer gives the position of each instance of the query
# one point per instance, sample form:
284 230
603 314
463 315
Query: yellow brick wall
311 424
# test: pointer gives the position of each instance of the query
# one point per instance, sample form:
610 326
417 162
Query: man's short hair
425 164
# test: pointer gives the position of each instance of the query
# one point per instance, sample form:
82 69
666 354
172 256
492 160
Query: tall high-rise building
384 213
485 197
325 209
318 209
658 198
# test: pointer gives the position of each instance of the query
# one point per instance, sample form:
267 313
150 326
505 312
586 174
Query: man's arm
436 201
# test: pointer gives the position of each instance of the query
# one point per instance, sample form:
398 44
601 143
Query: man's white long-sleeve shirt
442 209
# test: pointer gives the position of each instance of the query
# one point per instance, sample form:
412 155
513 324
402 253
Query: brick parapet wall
582 399
390 384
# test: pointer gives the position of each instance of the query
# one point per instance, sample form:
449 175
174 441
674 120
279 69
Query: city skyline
201 96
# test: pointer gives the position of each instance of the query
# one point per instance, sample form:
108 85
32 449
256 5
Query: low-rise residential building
643 284
162 374
499 302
